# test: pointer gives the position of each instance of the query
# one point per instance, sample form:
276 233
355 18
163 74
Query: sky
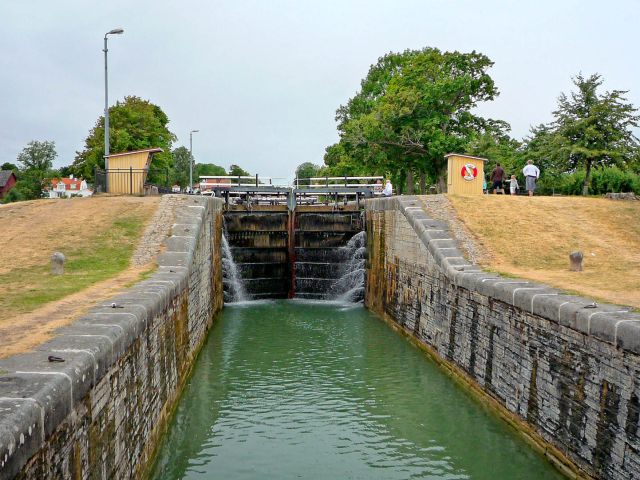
261 80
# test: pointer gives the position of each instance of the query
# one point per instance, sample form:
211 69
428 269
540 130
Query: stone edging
610 323
37 395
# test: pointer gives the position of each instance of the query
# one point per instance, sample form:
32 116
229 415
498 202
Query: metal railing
324 182
209 181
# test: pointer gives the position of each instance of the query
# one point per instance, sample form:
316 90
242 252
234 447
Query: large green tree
38 156
593 130
307 170
181 166
412 109
238 171
210 169
36 163
134 124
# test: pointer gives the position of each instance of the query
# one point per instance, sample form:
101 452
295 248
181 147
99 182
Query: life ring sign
469 172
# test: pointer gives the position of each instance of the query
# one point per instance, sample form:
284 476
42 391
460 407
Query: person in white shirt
531 174
388 189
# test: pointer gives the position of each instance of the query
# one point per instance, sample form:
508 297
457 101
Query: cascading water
231 279
349 287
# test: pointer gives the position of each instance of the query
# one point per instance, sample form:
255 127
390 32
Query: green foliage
134 124
9 166
210 169
604 180
498 147
36 160
589 130
180 172
38 156
307 170
412 109
236 170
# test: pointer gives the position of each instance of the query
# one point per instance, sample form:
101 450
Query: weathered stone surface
57 263
575 261
98 413
568 367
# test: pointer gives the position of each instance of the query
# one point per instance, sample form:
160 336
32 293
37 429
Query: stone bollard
576 261
57 263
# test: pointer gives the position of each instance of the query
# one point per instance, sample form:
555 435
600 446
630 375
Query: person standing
497 176
513 185
531 174
388 189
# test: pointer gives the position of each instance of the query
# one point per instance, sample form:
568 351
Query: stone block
174 259
628 335
57 263
180 244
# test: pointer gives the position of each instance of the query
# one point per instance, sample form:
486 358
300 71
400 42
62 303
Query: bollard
575 259
57 263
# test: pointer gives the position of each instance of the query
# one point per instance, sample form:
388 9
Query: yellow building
465 174
128 171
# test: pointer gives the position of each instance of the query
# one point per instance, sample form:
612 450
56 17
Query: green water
286 389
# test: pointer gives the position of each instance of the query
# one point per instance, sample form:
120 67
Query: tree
592 130
36 161
237 171
181 166
134 124
498 147
9 166
38 156
413 108
306 170
210 169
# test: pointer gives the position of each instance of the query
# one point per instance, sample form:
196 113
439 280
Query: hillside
532 237
97 235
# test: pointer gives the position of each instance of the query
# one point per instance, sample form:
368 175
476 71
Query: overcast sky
261 80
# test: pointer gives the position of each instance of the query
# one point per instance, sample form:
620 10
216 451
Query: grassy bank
97 237
532 237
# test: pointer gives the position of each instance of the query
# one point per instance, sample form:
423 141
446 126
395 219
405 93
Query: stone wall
563 371
99 414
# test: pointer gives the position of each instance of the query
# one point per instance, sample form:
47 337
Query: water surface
289 389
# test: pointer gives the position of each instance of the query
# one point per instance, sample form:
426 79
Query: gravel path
439 208
158 229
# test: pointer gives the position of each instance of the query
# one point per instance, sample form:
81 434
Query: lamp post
191 159
115 31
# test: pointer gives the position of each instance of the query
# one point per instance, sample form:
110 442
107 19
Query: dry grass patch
97 235
532 238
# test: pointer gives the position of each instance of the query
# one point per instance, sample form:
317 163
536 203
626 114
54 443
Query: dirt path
24 241
28 330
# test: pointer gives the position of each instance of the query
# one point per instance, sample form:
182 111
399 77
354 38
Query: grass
100 256
532 237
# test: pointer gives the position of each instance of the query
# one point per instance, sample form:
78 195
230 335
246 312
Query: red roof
77 182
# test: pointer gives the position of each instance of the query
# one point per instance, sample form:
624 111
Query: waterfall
231 279
349 287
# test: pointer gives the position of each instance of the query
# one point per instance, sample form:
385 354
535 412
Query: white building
66 187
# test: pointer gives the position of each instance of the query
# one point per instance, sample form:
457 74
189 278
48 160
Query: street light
191 159
115 31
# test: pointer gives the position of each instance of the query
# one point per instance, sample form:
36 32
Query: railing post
345 180
130 180
256 179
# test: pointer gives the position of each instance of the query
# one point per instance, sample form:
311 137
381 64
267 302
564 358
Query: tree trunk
409 182
442 184
587 178
423 183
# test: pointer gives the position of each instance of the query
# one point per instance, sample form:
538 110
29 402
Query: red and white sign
469 172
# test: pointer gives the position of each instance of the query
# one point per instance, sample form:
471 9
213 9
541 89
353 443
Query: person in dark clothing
497 176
